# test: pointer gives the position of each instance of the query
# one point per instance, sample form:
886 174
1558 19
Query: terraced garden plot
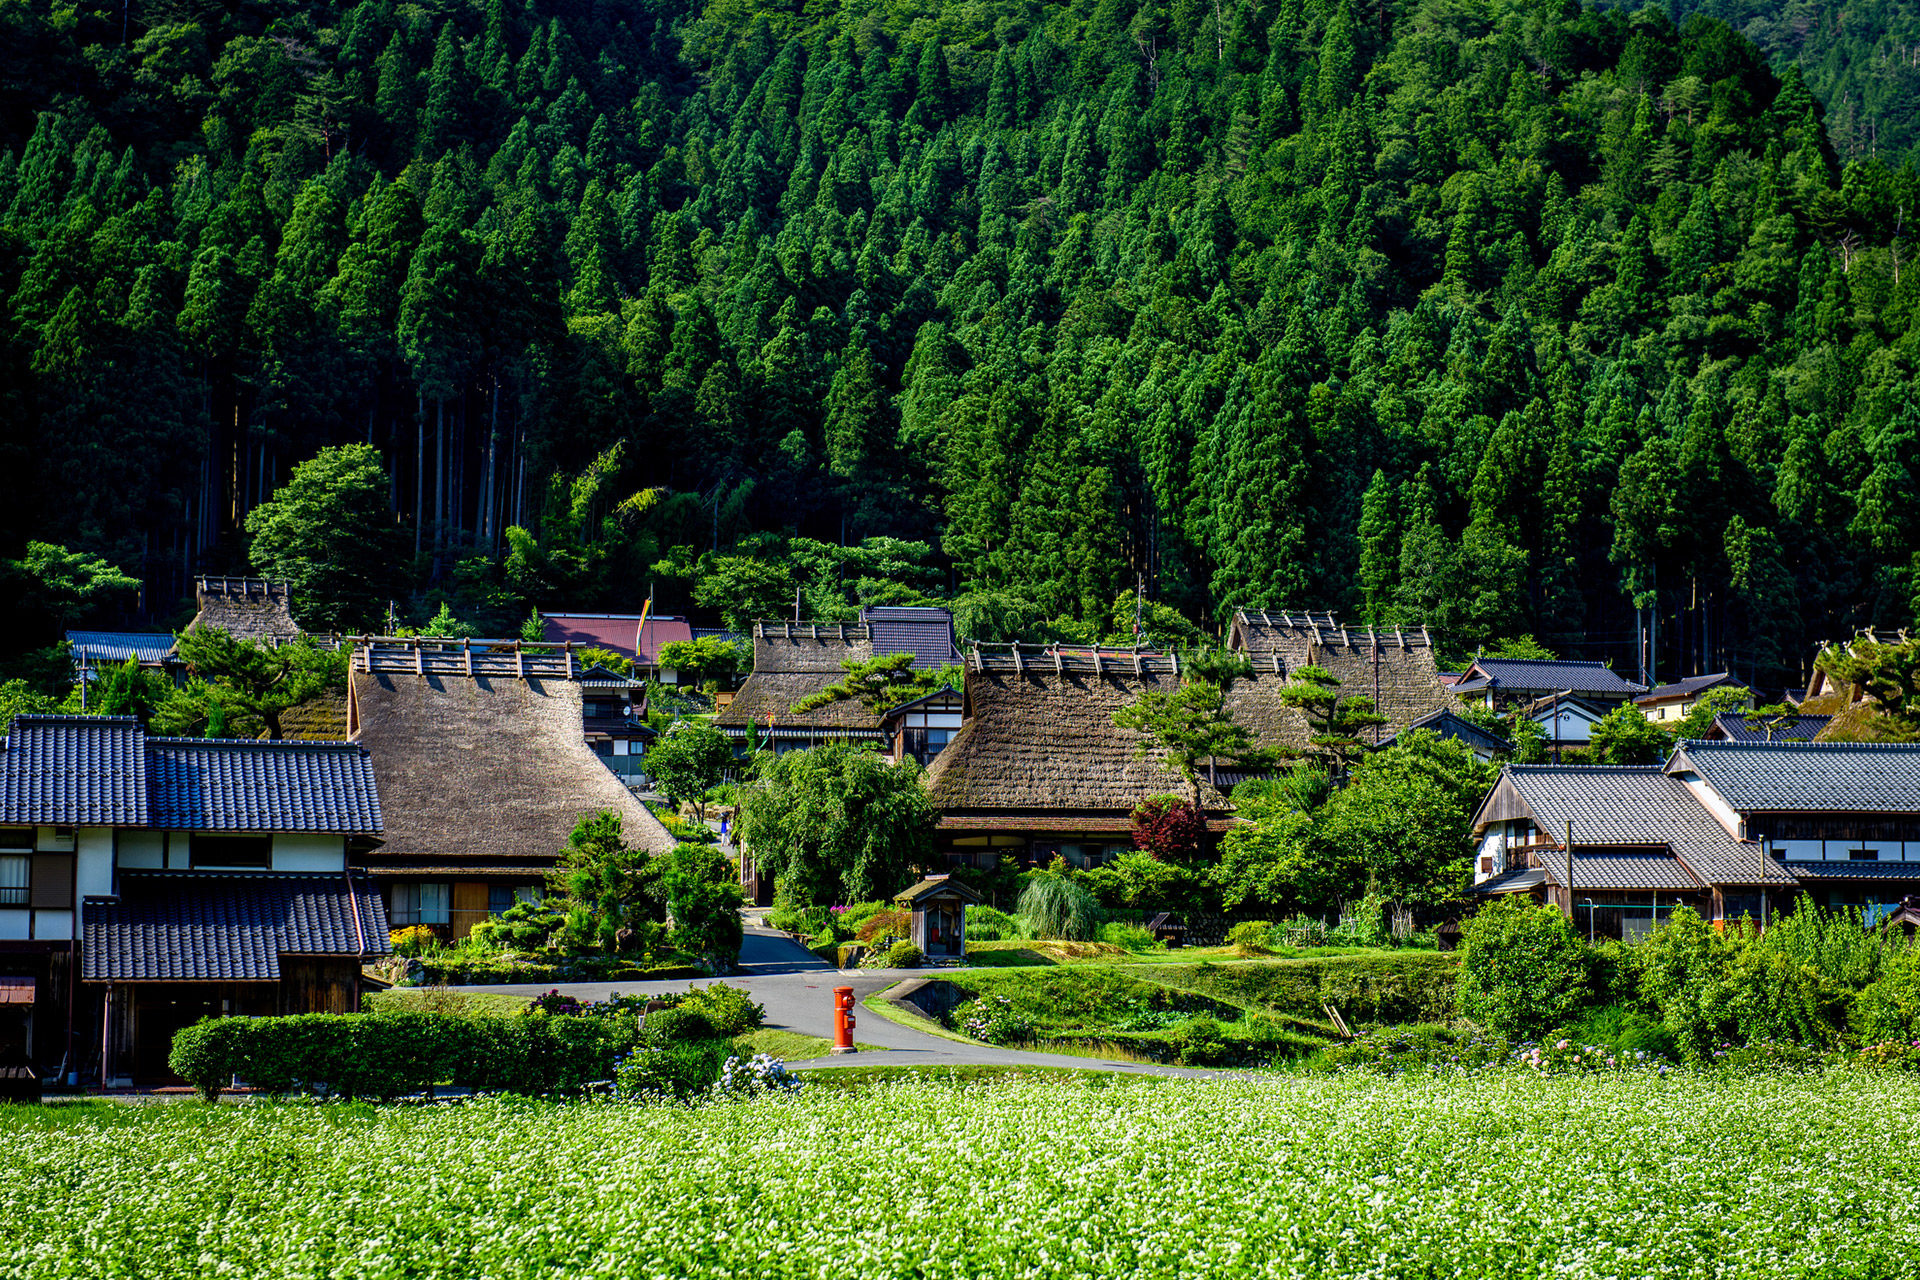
1503 1175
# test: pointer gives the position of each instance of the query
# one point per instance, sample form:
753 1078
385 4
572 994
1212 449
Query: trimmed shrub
1200 1043
677 1071
678 1024
1523 970
904 955
1251 937
1058 909
381 1056
729 1010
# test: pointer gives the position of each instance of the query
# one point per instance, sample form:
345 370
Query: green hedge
460 973
1408 986
382 1056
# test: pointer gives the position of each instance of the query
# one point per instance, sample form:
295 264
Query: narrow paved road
796 989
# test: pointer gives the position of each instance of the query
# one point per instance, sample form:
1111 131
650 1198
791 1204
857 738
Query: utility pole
1569 867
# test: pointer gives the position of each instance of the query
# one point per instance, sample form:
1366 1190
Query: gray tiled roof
118 646
1637 806
1451 724
74 771
198 784
101 771
1512 881
1803 729
1843 777
1850 870
926 633
1627 871
1535 673
201 926
1689 687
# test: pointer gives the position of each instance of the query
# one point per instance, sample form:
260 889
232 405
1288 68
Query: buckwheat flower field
1498 1175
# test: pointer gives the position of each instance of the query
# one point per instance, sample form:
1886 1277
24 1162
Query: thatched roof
322 718
1395 667
792 660
490 768
1039 740
256 609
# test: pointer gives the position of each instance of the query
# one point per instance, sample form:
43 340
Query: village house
483 772
1567 719
1484 743
637 637
1731 828
1731 726
792 660
1501 684
1038 769
92 650
1395 667
148 882
259 610
1663 704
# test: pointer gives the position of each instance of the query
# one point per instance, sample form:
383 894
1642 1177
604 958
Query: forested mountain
1861 58
1505 317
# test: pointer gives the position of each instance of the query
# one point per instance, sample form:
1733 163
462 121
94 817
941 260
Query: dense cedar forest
1511 318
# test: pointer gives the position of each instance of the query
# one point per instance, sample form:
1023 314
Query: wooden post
1569 868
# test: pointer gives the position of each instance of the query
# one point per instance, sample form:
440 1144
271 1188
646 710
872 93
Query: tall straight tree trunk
493 475
419 468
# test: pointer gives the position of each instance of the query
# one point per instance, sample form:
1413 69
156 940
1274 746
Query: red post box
843 1020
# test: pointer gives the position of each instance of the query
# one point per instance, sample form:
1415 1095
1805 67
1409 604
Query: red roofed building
622 633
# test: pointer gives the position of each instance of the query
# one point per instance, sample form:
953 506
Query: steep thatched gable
1395 667
256 609
1039 737
792 660
487 767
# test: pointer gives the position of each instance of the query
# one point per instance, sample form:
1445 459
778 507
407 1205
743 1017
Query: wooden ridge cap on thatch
1062 659
1282 631
486 768
784 647
438 656
1040 740
255 609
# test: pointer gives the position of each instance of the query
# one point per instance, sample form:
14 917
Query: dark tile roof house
1639 827
1691 687
926 633
255 609
1875 777
101 771
93 648
1451 724
1393 666
1730 726
1529 678
215 926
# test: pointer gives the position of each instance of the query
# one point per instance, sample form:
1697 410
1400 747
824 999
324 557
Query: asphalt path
796 989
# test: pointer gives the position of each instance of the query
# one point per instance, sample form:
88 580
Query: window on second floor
16 875
231 853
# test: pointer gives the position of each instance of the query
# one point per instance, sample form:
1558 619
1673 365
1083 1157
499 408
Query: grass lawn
1028 1174
1030 952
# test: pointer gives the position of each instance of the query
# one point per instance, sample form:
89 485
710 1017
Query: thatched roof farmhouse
256 609
790 661
1038 768
1395 667
483 771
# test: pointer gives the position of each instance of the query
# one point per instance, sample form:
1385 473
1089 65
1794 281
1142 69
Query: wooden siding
469 906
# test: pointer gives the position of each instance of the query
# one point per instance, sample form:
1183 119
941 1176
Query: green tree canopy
838 824
328 531
688 760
